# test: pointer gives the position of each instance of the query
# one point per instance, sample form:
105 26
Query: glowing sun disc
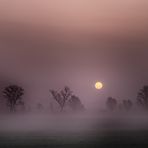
98 85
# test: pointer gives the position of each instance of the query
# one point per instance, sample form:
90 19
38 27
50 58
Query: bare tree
111 103
75 103
62 96
142 98
127 104
13 94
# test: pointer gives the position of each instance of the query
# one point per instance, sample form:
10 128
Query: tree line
14 97
126 105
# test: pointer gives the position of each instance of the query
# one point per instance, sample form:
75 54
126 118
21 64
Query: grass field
73 132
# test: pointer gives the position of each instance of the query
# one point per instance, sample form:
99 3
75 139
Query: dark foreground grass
112 138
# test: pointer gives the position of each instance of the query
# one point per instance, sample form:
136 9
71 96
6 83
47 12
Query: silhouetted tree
62 96
142 98
75 103
13 94
127 104
111 103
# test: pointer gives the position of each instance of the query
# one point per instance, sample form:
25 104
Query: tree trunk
12 108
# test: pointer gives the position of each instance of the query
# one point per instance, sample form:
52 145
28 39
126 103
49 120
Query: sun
98 85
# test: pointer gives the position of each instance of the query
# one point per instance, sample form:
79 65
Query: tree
62 96
142 98
75 103
13 94
111 103
127 104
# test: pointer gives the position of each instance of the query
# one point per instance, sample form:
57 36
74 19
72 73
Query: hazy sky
51 43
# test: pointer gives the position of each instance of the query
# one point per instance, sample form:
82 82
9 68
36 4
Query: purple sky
49 44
